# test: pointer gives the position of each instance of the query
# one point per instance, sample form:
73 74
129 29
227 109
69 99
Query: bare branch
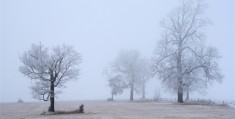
49 68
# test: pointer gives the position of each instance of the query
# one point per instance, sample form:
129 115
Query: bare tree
49 69
181 59
116 82
117 85
144 74
127 64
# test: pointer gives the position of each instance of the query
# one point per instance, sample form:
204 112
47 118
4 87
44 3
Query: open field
117 110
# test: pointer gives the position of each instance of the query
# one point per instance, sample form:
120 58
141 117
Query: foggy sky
98 30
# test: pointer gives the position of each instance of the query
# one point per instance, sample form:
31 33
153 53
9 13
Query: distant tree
127 64
157 95
181 60
117 85
115 81
144 74
20 100
49 69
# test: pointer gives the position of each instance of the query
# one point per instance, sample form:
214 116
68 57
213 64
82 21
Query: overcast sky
98 30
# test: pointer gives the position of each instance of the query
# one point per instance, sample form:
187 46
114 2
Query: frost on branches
128 70
181 60
49 69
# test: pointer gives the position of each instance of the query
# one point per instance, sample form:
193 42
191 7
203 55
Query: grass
62 112
80 110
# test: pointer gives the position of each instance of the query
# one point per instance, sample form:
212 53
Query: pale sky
98 30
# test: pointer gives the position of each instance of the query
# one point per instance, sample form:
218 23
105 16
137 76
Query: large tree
181 59
49 69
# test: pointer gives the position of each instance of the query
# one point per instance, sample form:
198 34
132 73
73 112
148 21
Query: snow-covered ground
232 104
117 110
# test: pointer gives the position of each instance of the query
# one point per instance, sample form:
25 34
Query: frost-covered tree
49 69
117 85
144 74
127 64
115 82
181 59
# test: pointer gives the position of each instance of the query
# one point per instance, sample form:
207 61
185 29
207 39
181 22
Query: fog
98 30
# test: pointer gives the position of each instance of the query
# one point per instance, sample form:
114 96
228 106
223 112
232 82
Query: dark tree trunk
180 97
180 92
52 98
179 73
132 92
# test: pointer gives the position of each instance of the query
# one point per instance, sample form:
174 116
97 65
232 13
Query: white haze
99 30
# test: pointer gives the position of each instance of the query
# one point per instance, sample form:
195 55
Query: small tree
20 100
115 81
117 85
181 59
49 69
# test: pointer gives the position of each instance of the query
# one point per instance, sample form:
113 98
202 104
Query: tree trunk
143 93
180 92
180 97
179 73
112 96
187 95
52 98
132 92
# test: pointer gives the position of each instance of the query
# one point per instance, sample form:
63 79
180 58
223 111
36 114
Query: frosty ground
116 110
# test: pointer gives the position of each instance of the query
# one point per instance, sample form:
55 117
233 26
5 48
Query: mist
98 30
